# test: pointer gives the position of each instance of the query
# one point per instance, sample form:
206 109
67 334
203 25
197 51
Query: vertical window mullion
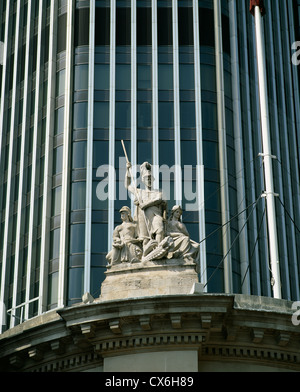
111 174
90 137
3 86
253 224
222 149
66 156
133 91
178 177
239 154
34 182
8 220
45 238
155 142
199 141
4 72
22 163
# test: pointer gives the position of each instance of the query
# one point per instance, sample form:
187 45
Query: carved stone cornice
220 327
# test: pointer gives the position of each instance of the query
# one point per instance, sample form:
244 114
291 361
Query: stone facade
201 332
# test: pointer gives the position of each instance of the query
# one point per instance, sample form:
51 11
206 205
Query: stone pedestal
163 277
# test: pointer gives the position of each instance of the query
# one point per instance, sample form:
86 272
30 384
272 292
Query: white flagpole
1 52
267 156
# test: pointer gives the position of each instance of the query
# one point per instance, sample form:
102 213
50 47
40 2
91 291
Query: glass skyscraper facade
177 80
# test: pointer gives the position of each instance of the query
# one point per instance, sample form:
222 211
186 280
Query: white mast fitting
257 9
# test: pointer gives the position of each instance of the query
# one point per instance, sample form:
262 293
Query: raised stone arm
128 180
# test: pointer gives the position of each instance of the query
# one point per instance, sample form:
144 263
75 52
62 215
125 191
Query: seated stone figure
183 247
126 246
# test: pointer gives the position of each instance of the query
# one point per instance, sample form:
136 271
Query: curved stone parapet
168 333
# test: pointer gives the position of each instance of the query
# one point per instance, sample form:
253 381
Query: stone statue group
150 235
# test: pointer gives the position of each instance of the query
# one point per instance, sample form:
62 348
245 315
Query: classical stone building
182 333
177 82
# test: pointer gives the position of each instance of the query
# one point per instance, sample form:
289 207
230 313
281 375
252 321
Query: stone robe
183 246
152 216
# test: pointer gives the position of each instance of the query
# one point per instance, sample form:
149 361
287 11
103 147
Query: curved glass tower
177 81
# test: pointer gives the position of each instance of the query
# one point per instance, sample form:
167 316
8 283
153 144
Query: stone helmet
175 208
146 170
128 210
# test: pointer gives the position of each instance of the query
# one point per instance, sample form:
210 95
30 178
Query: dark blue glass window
98 204
79 155
187 115
75 289
102 77
208 77
144 76
144 111
101 115
206 27
166 114
144 152
210 155
209 115
59 121
185 26
165 76
81 77
123 77
186 77
102 26
188 153
164 26
82 23
167 153
80 115
226 34
77 236
144 26
211 195
60 82
100 153
56 201
78 195
57 160
99 238
54 244
123 30
61 33
123 114
53 290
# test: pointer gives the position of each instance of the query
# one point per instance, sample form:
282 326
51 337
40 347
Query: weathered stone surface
257 335
163 277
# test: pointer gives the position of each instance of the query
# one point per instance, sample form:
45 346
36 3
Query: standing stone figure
183 246
126 245
151 207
